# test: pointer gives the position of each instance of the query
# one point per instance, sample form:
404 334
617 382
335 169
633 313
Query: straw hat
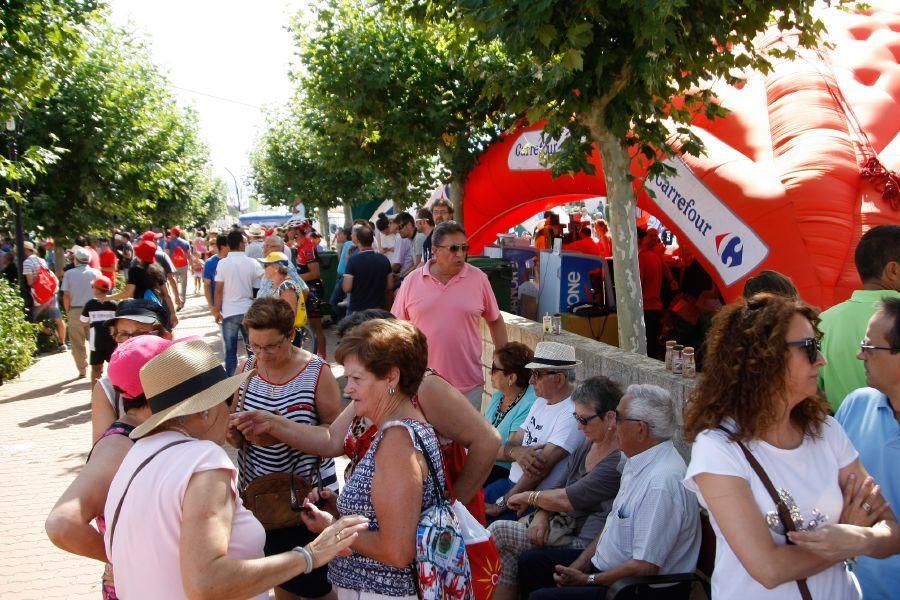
553 355
184 380
255 231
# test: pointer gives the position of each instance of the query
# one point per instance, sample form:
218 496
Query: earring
609 428
392 391
205 414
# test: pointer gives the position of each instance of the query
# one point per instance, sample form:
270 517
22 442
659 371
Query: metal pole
237 190
17 208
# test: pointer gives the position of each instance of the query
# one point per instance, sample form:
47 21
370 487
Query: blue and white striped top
296 400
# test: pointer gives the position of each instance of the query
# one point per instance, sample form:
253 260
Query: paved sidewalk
45 420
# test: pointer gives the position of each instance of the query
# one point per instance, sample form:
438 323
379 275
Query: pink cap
128 358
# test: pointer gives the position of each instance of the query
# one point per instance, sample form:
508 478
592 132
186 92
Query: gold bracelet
536 496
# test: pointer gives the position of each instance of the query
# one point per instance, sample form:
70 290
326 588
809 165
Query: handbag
784 513
276 499
441 568
562 528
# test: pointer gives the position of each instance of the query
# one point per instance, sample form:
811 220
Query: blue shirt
513 419
345 253
869 421
209 272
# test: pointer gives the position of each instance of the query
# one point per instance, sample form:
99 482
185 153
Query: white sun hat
553 355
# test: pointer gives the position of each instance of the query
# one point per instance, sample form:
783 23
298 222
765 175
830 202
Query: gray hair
444 229
569 373
654 406
275 240
600 393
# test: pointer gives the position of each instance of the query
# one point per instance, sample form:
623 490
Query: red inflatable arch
791 180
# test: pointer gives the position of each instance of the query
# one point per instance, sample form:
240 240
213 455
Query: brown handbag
276 499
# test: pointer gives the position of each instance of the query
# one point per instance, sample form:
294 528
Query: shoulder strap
784 514
246 386
112 531
432 472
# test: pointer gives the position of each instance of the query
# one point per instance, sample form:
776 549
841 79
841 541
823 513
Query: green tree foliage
405 98
130 155
18 337
608 70
39 40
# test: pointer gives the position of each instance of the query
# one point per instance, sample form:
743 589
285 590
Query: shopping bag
484 559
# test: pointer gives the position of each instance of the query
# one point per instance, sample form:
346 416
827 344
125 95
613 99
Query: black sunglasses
583 421
456 248
811 345
495 368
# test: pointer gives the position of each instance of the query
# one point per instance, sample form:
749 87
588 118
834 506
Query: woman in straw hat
69 523
177 527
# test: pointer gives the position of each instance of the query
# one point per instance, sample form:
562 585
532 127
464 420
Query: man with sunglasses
877 259
549 433
871 418
446 299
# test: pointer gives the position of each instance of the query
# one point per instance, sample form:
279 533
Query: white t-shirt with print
550 424
806 478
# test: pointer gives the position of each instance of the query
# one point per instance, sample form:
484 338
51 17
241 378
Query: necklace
180 430
501 414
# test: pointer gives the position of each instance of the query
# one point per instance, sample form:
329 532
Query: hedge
18 337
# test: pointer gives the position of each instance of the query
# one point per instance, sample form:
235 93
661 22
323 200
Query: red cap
146 251
102 283
150 236
128 358
175 231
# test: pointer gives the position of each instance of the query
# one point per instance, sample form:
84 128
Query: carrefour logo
730 249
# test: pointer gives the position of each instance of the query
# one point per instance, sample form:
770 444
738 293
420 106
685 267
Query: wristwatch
501 502
592 579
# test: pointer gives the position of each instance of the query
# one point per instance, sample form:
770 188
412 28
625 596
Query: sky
229 59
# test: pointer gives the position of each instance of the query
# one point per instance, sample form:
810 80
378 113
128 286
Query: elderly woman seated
653 527
567 519
512 401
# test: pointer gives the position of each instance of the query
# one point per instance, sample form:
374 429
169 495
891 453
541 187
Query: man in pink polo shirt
447 299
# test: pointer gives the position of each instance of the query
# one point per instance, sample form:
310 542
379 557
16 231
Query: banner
530 153
724 239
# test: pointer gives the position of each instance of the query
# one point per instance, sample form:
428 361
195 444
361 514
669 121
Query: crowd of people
581 482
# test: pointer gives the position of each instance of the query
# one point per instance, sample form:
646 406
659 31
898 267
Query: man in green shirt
877 259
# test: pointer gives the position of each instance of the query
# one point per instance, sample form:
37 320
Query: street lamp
17 208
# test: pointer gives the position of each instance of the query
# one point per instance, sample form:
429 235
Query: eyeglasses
538 374
121 336
865 346
456 248
257 349
495 368
811 345
583 421
620 418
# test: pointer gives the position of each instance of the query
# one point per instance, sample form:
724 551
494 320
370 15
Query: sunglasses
811 345
121 336
539 374
495 369
583 421
866 346
456 248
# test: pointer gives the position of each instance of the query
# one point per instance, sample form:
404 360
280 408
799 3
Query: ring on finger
867 507
340 534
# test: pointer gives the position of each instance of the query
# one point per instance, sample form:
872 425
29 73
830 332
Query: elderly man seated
653 527
548 435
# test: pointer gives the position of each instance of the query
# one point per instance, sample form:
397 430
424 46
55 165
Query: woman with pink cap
69 523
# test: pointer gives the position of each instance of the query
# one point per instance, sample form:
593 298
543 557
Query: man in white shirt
235 278
549 433
403 261
653 527
77 288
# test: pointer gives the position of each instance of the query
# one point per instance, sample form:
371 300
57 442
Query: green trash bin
500 273
328 262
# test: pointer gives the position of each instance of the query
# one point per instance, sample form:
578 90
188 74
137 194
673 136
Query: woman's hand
326 500
315 519
567 576
258 427
336 539
493 511
518 502
539 529
833 542
863 503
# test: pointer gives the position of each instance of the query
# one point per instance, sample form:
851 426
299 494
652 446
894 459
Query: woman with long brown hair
760 424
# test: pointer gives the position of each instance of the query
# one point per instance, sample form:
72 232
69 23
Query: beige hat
255 231
184 380
28 246
553 355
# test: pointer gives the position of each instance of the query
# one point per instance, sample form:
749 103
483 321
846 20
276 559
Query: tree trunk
324 229
348 214
622 204
456 199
